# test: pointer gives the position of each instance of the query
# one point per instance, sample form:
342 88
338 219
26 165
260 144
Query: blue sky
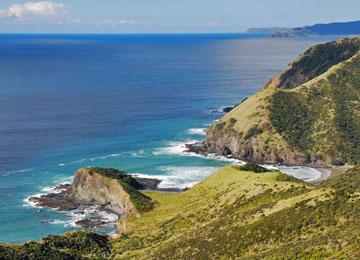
149 16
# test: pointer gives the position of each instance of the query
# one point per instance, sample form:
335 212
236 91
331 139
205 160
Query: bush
254 131
338 162
251 167
72 245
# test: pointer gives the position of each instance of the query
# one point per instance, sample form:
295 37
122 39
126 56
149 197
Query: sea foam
197 131
180 177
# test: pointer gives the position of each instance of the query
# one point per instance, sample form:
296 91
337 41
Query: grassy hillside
322 117
318 60
242 214
308 113
233 213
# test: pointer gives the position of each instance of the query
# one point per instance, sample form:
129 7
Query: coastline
151 183
327 171
331 171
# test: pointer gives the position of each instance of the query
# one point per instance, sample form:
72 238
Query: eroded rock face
93 188
254 149
109 190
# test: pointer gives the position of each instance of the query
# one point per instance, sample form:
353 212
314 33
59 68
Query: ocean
124 101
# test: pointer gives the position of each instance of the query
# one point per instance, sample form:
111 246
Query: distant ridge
338 28
266 31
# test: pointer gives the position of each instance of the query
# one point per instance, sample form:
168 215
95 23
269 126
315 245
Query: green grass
196 224
231 214
237 214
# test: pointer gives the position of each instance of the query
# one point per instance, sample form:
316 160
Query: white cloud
34 9
58 15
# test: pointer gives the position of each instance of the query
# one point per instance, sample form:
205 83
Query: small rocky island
111 190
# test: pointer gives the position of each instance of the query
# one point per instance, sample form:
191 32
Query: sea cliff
111 190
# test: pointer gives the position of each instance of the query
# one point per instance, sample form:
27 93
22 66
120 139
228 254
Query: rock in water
113 190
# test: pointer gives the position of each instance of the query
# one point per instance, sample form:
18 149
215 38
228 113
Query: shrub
251 167
254 131
338 162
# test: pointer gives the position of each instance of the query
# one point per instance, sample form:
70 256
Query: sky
168 16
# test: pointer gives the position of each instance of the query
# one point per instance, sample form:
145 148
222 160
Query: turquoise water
122 101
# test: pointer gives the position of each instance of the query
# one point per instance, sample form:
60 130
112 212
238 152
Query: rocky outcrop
90 187
109 189
253 149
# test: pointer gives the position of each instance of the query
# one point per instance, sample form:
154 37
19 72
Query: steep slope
114 189
217 217
110 189
309 113
243 213
246 215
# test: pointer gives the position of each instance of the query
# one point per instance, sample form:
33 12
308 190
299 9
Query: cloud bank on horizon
168 16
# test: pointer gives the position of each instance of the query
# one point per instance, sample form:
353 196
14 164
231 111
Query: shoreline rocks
223 110
200 148
93 187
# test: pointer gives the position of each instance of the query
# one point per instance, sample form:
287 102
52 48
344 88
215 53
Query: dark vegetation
72 245
253 131
117 174
317 60
252 167
346 94
142 202
291 117
333 102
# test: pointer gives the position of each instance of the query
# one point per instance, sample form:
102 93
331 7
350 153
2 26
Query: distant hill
343 28
266 31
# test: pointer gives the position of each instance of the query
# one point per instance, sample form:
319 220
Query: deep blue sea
122 101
